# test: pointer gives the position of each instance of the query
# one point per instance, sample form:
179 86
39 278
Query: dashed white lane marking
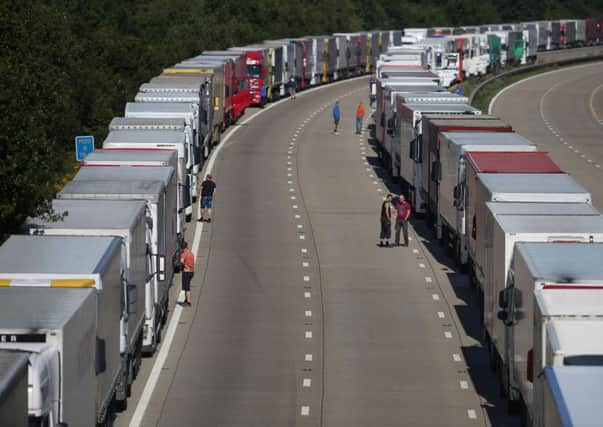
441 314
305 264
307 295
302 237
471 414
375 182
304 251
289 163
297 216
289 175
415 251
307 382
308 357
289 182
371 175
380 190
306 278
368 169
428 279
299 226
597 166
456 357
435 297
421 265
448 334
464 385
308 313
289 169
305 411
308 335
292 190
293 198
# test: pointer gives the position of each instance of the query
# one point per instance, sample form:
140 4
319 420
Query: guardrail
545 59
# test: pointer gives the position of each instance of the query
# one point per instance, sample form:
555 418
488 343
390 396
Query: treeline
68 66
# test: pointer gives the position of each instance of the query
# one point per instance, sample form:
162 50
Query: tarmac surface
298 317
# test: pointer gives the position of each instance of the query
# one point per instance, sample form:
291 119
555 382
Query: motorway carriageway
298 318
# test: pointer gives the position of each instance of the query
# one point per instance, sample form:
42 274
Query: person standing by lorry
359 118
208 188
386 222
336 117
403 209
292 87
187 259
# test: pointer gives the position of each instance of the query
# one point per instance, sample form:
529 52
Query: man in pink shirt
403 209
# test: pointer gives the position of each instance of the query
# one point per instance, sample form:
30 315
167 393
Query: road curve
298 318
562 112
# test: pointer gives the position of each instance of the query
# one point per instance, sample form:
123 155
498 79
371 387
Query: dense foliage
68 66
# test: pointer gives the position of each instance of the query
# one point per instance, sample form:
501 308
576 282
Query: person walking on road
292 87
208 189
187 259
336 117
359 118
386 222
403 209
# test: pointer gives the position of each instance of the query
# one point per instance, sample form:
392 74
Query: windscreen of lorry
254 71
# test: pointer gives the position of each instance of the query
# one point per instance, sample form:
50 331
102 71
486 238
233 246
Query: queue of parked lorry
85 297
525 230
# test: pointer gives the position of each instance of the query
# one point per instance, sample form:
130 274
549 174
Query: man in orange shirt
359 118
188 271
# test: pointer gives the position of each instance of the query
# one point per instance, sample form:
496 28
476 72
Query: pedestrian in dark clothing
208 189
292 87
403 209
336 116
386 221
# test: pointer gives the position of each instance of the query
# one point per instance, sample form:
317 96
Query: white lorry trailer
161 140
13 387
572 397
161 206
64 264
451 168
408 150
126 219
507 231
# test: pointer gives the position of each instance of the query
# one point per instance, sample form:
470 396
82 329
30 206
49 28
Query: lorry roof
512 162
568 336
92 214
553 225
476 122
178 81
485 138
55 255
577 391
522 208
109 190
405 87
561 263
433 98
44 308
146 123
167 157
145 137
158 108
522 183
125 173
168 97
472 119
445 108
172 84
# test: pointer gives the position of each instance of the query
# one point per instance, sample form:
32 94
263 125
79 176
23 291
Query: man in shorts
208 189
187 259
336 117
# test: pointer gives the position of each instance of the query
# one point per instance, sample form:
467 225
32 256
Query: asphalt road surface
299 318
562 112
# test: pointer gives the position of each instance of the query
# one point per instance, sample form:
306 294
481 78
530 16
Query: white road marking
464 385
305 264
293 197
415 251
289 182
435 297
292 190
308 335
305 411
289 169
368 169
428 279
592 105
441 314
308 358
471 414
456 357
302 237
304 251
379 190
289 175
371 175
297 216
421 265
448 334
295 206
307 382
306 278
289 163
300 226
308 313
597 166
307 295
375 182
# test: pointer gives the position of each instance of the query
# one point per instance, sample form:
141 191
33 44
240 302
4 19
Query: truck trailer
64 264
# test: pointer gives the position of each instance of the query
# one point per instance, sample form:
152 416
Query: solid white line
168 338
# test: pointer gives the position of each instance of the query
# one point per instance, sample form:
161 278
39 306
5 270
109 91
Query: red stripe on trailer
512 162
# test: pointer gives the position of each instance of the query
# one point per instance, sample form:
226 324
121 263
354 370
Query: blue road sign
84 145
